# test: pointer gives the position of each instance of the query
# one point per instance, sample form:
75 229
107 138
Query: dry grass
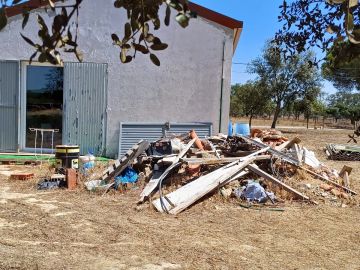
81 230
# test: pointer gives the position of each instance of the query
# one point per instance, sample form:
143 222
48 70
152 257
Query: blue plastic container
230 129
242 129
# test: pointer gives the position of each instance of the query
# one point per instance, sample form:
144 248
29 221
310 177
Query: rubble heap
177 171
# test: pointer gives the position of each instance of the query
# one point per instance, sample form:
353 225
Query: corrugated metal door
9 91
131 133
85 102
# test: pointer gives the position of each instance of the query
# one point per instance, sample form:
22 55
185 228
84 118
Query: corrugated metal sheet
9 90
131 133
85 101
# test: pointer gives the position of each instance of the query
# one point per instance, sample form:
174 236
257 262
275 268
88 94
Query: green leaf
140 48
159 47
128 59
26 15
3 19
79 55
123 55
28 40
119 3
157 24
42 58
127 30
154 59
182 19
42 23
116 39
167 16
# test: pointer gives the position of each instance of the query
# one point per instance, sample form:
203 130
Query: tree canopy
143 20
287 78
342 66
320 23
249 99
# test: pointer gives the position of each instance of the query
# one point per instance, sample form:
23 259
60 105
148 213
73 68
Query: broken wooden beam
180 199
271 178
322 178
121 164
215 161
288 144
273 151
154 181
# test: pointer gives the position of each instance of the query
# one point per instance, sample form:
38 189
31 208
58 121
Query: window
44 105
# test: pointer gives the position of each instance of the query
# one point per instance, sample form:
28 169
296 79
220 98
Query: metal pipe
222 86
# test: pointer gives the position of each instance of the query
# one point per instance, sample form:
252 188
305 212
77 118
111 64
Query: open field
79 230
290 122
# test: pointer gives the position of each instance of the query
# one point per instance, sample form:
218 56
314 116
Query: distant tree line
291 86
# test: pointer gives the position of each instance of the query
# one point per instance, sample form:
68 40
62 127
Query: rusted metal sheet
85 102
9 93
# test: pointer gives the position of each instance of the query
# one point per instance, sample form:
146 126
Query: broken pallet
121 164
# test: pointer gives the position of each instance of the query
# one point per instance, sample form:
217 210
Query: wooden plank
153 183
180 199
298 152
346 180
125 161
288 144
347 169
214 161
329 181
190 193
273 151
269 177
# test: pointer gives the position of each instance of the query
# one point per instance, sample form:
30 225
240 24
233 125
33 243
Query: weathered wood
288 144
329 181
121 164
273 151
298 152
214 161
344 169
269 177
153 183
185 196
346 180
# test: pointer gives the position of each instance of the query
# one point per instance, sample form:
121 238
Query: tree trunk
307 122
276 115
250 120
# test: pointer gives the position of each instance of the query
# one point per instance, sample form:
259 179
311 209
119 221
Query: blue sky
260 24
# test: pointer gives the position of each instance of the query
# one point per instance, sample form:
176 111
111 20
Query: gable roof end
206 13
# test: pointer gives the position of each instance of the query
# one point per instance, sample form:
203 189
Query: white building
99 96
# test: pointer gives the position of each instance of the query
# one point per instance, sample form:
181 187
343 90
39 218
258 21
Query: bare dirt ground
80 230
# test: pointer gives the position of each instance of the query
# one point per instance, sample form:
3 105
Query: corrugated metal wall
131 133
9 91
85 102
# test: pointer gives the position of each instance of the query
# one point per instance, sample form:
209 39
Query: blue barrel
242 129
230 129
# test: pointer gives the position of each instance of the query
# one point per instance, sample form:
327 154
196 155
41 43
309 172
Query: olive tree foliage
344 104
249 99
61 36
286 78
320 23
342 66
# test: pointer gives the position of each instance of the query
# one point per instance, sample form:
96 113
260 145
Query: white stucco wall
186 88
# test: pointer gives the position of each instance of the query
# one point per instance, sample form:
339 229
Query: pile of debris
179 170
343 152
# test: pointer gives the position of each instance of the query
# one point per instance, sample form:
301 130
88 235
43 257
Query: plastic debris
253 191
129 175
